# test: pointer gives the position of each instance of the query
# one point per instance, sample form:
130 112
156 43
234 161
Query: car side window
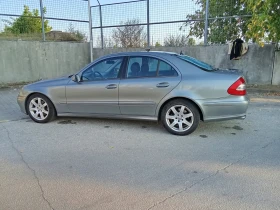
105 69
142 67
165 70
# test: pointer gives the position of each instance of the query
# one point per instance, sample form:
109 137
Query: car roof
143 53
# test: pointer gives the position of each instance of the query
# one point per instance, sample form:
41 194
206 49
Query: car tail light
238 88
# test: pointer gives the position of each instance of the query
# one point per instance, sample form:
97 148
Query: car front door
146 81
98 89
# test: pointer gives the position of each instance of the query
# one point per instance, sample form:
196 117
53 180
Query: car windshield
196 62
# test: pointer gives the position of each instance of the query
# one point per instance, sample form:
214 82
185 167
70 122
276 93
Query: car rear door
145 82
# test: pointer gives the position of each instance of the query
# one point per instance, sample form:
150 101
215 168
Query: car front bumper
21 101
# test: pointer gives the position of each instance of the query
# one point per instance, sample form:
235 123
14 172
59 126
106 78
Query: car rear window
198 63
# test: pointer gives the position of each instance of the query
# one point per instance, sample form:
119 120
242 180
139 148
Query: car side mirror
76 78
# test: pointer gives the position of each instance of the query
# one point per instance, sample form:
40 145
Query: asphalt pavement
89 164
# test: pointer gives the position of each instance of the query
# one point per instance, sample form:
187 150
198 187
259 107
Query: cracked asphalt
89 164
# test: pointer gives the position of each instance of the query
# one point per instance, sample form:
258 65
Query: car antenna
148 49
181 53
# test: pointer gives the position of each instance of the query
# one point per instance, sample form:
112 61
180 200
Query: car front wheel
180 117
40 108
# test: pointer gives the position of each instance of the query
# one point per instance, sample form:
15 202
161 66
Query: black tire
49 107
188 125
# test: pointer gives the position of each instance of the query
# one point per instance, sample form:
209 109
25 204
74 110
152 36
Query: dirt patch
236 127
203 136
67 122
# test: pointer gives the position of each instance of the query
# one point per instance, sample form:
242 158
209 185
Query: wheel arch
33 93
184 98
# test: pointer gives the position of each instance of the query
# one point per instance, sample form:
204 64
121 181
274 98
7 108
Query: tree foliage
191 41
265 21
157 44
29 22
221 29
73 35
107 42
178 41
130 35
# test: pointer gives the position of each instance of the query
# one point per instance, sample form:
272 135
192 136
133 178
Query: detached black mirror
76 78
110 62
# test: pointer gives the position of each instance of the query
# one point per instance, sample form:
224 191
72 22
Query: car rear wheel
40 109
180 117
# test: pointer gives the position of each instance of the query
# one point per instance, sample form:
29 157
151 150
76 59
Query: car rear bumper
225 108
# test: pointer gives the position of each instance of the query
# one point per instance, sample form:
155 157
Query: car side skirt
144 118
106 116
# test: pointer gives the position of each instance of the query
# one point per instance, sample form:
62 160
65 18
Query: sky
160 10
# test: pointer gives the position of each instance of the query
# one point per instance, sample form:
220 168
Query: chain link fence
176 23
44 20
135 23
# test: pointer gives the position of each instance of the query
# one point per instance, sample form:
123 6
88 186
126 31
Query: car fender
178 92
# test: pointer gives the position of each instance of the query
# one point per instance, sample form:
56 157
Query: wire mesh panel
16 7
123 24
171 35
175 21
168 23
68 21
132 36
228 20
62 30
171 10
224 30
63 21
166 26
226 8
95 16
118 14
65 9
20 20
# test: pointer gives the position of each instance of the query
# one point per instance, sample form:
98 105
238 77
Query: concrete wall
257 64
25 61
276 70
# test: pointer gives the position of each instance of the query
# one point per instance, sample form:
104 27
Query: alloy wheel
39 108
179 118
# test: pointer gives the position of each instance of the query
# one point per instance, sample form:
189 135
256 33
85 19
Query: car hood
50 82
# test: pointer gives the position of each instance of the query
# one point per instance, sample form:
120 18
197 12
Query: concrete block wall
276 69
25 61
257 64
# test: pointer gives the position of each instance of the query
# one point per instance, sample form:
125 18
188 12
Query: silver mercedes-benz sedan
177 90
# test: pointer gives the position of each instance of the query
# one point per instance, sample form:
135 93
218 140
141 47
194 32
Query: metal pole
101 28
206 23
43 20
148 23
90 32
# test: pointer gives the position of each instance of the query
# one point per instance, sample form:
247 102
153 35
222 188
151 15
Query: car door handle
162 84
111 86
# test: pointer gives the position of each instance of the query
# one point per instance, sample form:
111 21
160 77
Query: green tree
220 30
191 41
157 44
265 22
29 22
